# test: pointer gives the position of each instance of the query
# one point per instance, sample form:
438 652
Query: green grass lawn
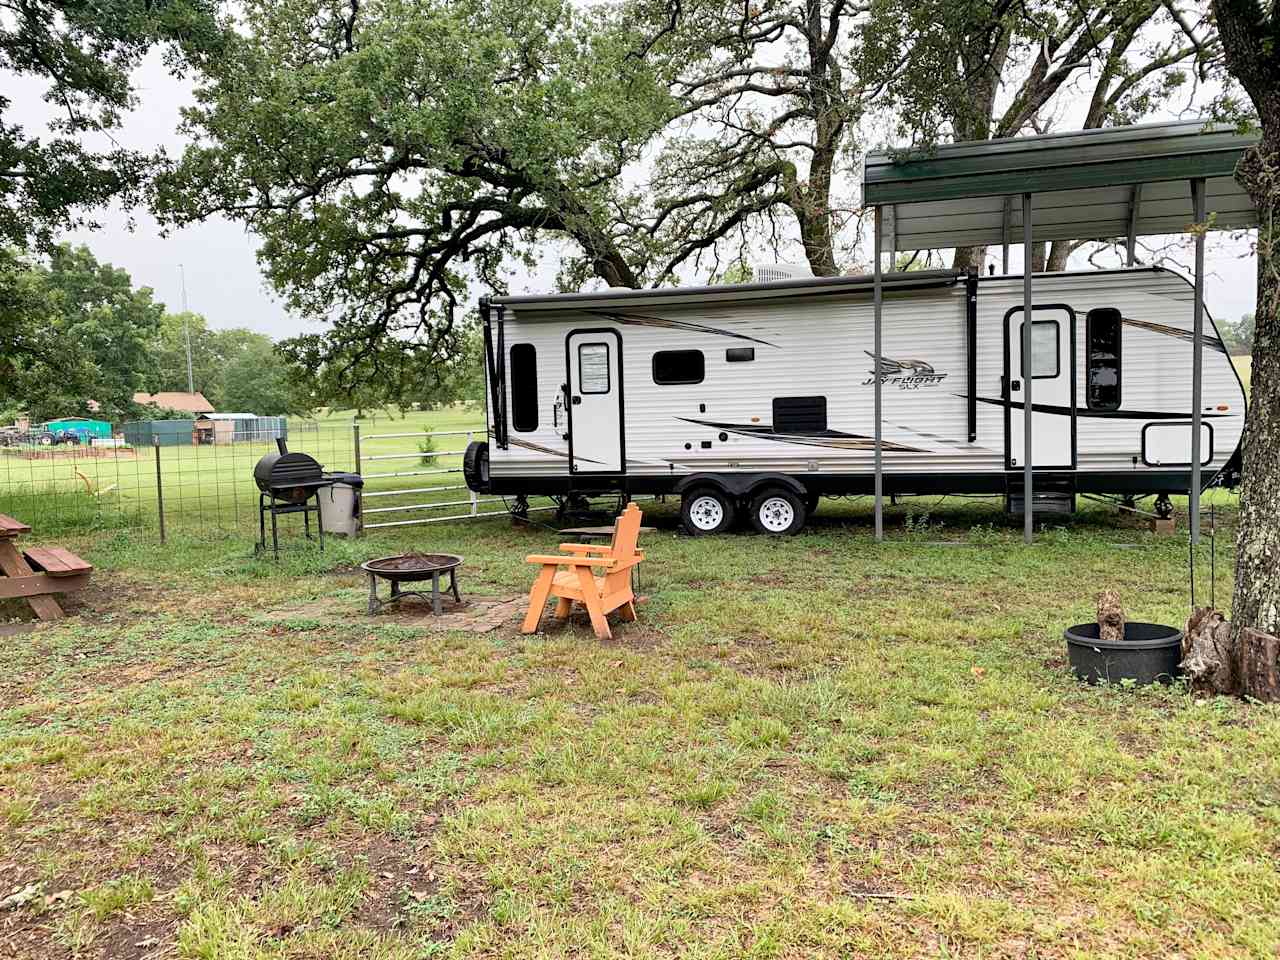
812 747
1244 367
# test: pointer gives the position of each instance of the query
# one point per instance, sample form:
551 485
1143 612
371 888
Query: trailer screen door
594 380
1052 390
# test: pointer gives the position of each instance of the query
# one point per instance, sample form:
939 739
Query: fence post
355 444
475 497
155 442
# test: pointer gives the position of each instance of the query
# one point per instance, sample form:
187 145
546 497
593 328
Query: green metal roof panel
1083 186
1082 159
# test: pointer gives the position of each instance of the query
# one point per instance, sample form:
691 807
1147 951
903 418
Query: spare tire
475 466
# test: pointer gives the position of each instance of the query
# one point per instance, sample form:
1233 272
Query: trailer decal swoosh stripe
827 438
1100 414
640 320
1213 343
539 448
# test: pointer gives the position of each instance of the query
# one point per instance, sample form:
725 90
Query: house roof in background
1084 185
228 416
175 400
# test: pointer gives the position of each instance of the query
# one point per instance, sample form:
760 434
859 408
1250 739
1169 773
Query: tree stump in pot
1110 616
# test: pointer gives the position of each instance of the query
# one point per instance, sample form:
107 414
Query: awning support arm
1006 224
1131 241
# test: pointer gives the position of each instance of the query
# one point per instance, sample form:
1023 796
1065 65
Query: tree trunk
1259 665
1248 36
1209 655
1058 255
1256 602
967 257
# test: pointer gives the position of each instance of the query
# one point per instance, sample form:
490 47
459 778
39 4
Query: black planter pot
1149 652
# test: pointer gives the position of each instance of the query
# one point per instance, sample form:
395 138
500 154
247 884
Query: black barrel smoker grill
288 483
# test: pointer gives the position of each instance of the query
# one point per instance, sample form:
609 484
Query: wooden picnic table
37 573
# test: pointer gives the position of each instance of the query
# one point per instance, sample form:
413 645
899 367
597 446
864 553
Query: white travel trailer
757 398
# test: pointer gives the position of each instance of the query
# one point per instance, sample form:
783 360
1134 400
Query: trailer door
594 401
1053 391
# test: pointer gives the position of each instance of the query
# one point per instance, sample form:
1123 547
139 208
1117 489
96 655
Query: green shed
86 428
165 433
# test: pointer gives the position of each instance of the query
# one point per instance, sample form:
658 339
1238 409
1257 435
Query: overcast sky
222 276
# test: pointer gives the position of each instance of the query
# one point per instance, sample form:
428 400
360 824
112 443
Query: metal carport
1100 184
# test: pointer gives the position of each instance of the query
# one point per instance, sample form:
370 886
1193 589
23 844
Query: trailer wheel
706 510
777 512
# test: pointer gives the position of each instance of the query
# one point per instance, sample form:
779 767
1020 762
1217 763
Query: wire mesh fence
204 483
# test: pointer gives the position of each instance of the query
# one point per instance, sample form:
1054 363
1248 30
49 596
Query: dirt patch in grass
472 615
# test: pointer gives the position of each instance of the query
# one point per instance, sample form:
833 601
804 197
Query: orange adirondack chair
577 584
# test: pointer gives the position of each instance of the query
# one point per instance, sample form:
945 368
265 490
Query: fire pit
411 568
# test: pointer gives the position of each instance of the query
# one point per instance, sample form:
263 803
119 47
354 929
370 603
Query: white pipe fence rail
477 505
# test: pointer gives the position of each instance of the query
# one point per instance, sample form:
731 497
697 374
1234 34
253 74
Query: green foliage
390 154
69 333
77 330
107 320
85 53
427 445
1238 335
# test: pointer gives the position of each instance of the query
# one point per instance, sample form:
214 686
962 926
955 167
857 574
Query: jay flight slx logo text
904 374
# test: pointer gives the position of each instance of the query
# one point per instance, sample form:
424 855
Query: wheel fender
739 484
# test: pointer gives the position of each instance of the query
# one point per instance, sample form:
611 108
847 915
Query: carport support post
877 300
1197 359
1028 521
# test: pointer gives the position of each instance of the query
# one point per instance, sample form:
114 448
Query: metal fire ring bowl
439 563
431 567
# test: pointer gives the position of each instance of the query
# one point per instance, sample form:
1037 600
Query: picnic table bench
38 573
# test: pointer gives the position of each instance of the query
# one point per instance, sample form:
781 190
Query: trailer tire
706 510
776 511
475 466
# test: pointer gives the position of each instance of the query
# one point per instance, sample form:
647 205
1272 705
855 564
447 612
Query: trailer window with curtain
524 387
1102 334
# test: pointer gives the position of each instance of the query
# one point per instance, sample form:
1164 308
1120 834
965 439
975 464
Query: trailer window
679 366
739 354
799 414
593 368
524 387
1102 333
1044 349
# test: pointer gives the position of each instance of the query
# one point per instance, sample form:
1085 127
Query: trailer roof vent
773 272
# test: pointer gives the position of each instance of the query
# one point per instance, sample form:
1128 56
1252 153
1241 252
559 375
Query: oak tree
392 153
1250 31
